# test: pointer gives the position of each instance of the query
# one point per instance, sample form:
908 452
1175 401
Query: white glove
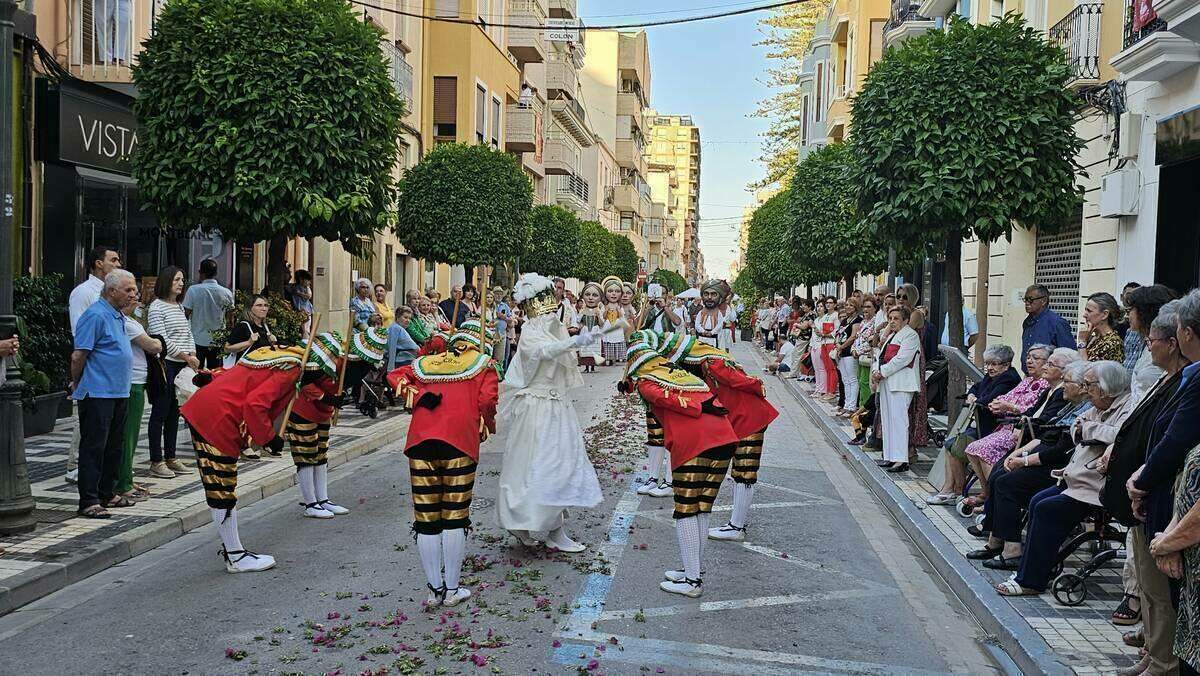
585 338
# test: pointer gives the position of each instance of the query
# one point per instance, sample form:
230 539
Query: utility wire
646 24
669 11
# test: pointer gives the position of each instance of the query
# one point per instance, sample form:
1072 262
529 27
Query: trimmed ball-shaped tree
673 281
625 257
771 250
554 246
595 261
465 205
266 120
966 133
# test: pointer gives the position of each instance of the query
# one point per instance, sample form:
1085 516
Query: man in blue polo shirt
1043 325
101 370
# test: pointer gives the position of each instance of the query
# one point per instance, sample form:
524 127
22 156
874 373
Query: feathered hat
535 293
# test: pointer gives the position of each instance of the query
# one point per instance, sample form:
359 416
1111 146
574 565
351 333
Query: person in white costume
546 467
714 323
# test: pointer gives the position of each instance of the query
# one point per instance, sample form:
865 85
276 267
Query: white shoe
649 485
662 490
329 506
727 532
243 561
456 596
315 511
558 541
689 588
941 499
72 477
677 575
436 596
524 537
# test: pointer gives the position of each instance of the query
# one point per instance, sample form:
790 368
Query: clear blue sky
712 71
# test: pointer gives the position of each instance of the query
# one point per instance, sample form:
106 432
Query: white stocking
227 528
454 548
688 532
704 518
742 494
304 479
656 462
321 482
430 547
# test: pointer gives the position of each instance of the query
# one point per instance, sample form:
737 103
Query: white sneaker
689 588
456 596
331 507
314 511
243 561
558 541
436 596
649 485
677 575
662 490
727 532
72 477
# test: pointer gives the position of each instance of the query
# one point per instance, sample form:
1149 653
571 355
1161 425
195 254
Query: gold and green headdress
369 346
467 336
324 355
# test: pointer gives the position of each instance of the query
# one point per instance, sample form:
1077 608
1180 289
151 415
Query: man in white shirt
566 309
100 261
206 304
658 313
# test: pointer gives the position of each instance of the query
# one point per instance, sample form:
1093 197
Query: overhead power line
644 24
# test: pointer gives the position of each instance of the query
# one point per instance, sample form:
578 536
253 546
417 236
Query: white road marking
736 604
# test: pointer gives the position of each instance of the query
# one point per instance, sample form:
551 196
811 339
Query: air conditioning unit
1119 193
1129 139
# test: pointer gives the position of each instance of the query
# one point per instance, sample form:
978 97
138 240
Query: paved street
826 583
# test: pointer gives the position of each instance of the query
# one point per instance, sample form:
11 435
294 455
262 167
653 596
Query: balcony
561 155
626 197
1151 52
569 114
402 74
905 22
1078 34
527 44
563 9
572 191
561 78
106 36
629 155
1183 16
629 103
524 128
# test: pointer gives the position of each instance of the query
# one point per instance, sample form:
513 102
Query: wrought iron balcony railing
902 11
1135 35
1078 34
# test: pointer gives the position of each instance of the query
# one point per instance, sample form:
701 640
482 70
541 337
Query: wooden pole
345 362
303 361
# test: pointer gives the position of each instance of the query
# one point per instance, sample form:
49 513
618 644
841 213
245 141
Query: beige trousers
1158 615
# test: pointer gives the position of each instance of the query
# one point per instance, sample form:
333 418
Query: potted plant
744 323
45 354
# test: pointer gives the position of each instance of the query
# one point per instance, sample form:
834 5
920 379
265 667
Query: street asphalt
825 583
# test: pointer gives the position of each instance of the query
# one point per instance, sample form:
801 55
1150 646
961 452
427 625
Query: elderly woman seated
1026 471
1023 399
999 378
1055 511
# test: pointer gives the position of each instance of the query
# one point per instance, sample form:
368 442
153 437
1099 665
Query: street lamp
16 499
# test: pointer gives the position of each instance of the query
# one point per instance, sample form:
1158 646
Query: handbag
184 387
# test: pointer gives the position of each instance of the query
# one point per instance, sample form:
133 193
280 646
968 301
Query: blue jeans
1052 517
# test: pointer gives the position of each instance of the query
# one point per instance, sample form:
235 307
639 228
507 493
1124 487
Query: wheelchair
1071 589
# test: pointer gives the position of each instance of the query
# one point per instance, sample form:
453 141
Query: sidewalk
66 548
1038 632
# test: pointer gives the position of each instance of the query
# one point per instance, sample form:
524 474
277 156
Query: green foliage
465 205
771 251
45 330
750 293
673 281
554 246
267 117
835 244
596 256
285 321
966 132
625 257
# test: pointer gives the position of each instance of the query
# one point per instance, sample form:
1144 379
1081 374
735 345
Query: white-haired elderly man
101 371
1055 511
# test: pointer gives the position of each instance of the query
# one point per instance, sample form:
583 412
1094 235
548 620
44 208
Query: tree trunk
957 383
277 276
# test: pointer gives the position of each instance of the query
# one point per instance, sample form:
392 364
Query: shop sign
561 30
86 129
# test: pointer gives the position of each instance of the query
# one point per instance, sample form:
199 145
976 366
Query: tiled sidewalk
66 548
1082 635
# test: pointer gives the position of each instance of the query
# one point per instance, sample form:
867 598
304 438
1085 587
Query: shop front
86 134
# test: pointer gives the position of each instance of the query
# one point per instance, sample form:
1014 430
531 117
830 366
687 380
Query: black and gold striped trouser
218 473
697 482
309 441
443 482
654 431
745 460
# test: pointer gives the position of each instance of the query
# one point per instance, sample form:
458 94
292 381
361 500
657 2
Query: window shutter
445 100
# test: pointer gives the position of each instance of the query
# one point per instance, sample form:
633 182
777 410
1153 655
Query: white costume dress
709 322
546 467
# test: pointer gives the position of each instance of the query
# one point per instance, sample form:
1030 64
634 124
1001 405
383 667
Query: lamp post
16 499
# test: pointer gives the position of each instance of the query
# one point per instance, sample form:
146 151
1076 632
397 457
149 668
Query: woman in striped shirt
166 318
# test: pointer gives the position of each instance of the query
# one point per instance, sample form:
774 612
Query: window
819 90
997 10
446 8
495 123
480 114
387 269
430 275
445 109
804 120
626 223
877 40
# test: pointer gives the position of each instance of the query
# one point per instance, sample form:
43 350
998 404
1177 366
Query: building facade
675 142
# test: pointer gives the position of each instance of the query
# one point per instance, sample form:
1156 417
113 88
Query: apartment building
674 142
668 209
615 83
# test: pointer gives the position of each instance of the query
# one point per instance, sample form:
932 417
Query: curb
1022 642
53 576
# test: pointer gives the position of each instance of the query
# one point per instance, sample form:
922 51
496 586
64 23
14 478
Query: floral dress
1000 442
1187 628
1108 347
918 409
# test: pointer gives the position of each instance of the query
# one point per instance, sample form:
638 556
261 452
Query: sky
712 71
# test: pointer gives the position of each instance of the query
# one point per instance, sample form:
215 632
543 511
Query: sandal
1011 588
94 512
974 501
1124 615
119 501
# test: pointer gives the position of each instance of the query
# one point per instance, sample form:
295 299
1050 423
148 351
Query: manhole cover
480 504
